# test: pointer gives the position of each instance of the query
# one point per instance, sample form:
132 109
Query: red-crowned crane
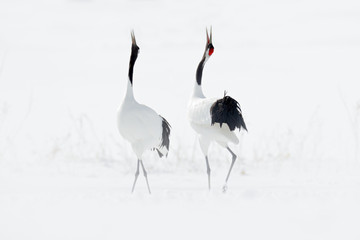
214 119
141 125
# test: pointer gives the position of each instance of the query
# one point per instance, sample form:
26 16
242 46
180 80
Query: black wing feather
227 110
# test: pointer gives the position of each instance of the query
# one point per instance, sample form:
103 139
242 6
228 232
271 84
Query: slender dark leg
145 175
231 166
136 176
208 170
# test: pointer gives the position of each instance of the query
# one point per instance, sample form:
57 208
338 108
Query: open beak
133 37
209 39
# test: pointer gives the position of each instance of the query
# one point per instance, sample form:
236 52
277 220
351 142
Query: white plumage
213 119
141 125
200 120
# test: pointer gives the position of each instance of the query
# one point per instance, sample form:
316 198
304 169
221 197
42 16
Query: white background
66 173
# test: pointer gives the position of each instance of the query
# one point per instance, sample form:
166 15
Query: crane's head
134 47
209 49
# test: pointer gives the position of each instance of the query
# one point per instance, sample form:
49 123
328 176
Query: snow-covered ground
101 207
65 173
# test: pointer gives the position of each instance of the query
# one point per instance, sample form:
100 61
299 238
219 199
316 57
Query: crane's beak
209 39
133 38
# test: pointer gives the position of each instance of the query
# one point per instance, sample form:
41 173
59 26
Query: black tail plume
227 110
165 142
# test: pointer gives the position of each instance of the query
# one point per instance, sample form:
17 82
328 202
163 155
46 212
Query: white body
200 120
140 125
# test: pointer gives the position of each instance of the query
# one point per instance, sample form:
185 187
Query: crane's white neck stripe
129 91
198 91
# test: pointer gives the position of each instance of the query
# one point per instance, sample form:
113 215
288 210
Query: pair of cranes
213 119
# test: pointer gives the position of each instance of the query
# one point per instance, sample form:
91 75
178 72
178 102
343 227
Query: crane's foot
224 188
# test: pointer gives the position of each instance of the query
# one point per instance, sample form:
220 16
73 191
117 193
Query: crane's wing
208 111
199 111
138 121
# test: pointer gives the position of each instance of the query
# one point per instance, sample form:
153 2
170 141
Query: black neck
131 69
199 71
134 53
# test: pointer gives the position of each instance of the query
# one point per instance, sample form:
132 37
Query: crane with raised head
214 119
140 125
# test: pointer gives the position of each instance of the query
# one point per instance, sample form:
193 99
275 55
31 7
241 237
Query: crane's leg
145 175
136 176
204 145
231 166
208 170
